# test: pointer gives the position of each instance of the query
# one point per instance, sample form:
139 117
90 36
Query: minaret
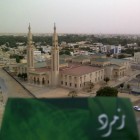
30 51
55 60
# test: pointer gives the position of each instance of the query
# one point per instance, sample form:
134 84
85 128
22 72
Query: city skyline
80 16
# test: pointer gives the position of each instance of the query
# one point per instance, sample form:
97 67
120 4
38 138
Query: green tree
90 86
41 49
19 75
121 86
107 91
18 57
24 76
121 56
72 93
67 52
108 54
106 79
128 87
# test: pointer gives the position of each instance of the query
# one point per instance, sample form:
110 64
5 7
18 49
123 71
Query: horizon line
76 33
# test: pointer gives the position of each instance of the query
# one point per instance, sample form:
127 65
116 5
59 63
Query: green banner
69 119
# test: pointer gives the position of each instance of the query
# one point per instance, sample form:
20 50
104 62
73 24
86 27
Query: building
114 49
113 68
100 62
137 57
77 77
65 71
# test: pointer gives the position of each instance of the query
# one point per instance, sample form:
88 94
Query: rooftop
102 60
64 56
79 70
118 60
81 57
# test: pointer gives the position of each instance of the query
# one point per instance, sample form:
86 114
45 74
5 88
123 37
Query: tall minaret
30 51
55 60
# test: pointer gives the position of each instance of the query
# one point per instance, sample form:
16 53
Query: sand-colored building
101 62
114 68
82 59
137 57
58 71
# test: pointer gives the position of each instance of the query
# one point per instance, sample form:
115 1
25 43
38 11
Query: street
14 89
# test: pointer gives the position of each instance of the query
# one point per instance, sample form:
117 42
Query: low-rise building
82 59
137 57
77 77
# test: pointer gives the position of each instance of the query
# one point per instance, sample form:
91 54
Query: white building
114 49
37 52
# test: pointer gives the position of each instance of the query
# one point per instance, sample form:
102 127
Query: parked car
136 108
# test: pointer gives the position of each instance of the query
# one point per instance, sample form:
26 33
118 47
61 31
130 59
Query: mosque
58 73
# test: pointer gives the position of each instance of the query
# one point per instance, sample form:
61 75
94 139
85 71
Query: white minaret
55 60
30 51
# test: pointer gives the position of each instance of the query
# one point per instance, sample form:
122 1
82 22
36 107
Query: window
75 85
66 83
90 75
96 73
61 82
70 84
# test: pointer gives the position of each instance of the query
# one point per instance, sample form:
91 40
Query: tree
24 76
128 87
72 93
121 86
19 75
106 79
121 56
107 91
108 54
41 49
90 86
18 57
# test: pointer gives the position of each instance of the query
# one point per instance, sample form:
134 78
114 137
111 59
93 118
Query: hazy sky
71 16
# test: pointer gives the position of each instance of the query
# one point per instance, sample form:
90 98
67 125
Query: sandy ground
58 92
14 89
1 114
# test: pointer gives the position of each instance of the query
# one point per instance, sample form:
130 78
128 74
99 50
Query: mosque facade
72 75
